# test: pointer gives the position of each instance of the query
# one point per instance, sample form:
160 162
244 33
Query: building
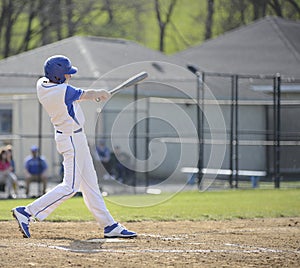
256 53
102 62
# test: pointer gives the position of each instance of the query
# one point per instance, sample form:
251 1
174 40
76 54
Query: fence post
200 118
40 130
147 141
231 160
135 94
201 138
236 138
234 150
277 132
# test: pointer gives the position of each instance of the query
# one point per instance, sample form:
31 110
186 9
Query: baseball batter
61 101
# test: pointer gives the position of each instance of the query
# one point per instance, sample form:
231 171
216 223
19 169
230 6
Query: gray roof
267 46
114 60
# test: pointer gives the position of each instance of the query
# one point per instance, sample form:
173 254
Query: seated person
11 160
121 163
7 177
104 156
35 169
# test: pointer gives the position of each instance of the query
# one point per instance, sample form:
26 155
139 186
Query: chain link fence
260 147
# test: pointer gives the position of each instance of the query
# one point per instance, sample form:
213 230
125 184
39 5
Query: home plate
106 240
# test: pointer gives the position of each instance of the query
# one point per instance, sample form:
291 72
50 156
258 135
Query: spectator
35 169
10 157
104 156
121 164
7 177
12 164
255 181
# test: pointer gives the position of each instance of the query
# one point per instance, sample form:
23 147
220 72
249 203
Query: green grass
183 206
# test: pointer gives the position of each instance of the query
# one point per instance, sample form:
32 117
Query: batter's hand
96 94
103 95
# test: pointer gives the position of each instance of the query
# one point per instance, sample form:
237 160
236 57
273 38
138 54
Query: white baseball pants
79 174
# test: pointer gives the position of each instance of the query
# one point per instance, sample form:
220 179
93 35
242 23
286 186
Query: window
5 119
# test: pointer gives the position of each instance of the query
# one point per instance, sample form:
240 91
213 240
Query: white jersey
61 103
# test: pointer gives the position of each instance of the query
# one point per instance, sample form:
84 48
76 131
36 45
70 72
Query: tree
259 8
162 23
295 5
33 11
108 7
9 15
27 24
69 12
209 19
76 14
277 6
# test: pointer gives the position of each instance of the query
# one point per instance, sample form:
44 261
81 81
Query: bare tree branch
209 19
33 10
69 11
108 7
276 7
295 5
12 11
163 23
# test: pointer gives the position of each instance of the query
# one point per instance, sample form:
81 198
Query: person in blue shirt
35 169
104 156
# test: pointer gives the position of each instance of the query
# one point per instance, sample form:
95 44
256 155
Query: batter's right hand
103 95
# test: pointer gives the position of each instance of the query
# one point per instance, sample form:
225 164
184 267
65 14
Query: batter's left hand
103 95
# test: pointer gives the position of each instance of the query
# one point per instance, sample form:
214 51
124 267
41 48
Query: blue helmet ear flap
56 67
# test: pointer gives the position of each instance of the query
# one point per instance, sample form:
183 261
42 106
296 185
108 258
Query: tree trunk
242 8
108 8
56 18
163 23
8 30
33 10
276 7
209 19
12 13
256 9
43 14
295 5
70 23
2 16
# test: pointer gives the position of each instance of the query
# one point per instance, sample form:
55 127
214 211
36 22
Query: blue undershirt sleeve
72 94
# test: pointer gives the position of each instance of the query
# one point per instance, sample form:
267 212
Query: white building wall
168 147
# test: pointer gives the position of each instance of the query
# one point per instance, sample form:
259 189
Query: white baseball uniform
61 103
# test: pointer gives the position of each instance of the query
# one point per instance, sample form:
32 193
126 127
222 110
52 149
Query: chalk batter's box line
178 251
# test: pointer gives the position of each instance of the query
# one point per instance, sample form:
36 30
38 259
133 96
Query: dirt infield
235 243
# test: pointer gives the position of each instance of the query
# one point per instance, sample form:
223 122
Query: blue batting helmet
56 67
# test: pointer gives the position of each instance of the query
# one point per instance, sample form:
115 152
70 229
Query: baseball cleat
118 231
23 219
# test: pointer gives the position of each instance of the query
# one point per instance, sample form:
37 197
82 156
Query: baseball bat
129 82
